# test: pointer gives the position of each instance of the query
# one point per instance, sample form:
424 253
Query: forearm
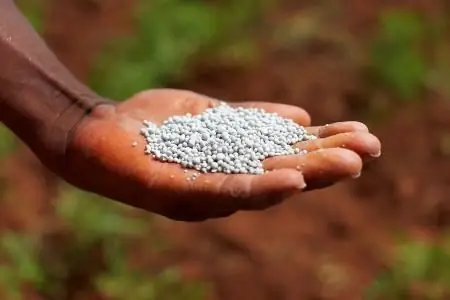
40 101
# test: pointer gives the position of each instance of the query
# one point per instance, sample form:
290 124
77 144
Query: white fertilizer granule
224 139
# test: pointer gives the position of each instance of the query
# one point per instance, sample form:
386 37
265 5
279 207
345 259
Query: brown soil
321 245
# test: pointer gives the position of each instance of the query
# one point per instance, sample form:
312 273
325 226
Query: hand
100 158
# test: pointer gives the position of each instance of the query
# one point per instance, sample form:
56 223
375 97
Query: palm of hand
101 159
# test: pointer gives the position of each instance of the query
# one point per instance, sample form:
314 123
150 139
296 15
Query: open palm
101 159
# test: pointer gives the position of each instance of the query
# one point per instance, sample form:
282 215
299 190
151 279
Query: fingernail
357 175
321 129
301 186
376 154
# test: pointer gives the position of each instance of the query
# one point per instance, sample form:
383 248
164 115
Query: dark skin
87 140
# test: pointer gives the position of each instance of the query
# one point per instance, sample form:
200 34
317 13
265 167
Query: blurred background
383 236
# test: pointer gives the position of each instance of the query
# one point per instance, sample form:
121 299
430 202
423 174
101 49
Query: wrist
43 114
42 106
40 100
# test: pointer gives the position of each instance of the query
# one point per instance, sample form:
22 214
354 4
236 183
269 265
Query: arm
40 101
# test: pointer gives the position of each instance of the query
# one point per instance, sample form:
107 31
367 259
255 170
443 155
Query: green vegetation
421 270
33 10
168 34
7 141
396 55
94 243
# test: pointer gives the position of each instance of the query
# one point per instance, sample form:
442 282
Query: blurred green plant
33 11
20 266
96 219
7 141
165 285
168 34
396 56
421 270
91 250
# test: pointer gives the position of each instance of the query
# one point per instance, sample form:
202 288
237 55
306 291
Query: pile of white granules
224 139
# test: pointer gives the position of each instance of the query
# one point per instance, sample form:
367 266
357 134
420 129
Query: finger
249 192
365 144
261 191
336 128
295 113
320 168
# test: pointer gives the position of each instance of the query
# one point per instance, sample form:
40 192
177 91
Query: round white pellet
224 139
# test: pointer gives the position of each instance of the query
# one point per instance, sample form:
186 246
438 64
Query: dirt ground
322 245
